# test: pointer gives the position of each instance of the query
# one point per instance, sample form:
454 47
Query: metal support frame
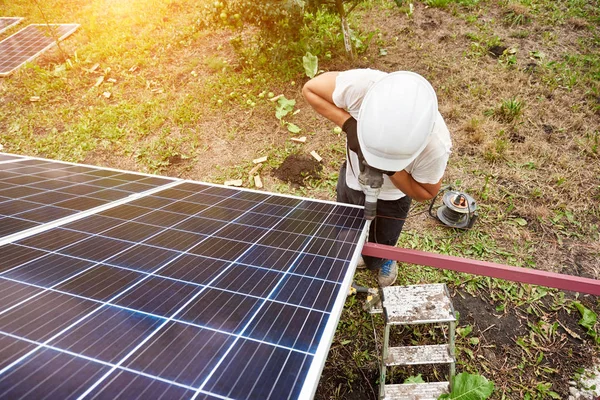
484 268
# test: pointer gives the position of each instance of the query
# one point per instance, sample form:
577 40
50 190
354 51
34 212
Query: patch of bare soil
297 168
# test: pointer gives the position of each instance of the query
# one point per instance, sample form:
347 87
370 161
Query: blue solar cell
13 207
101 282
45 214
220 248
96 248
108 334
37 272
161 218
9 225
307 292
45 315
196 269
141 257
13 256
220 310
248 280
320 267
127 385
133 232
267 372
19 192
157 296
56 375
175 240
12 293
288 326
181 353
200 225
12 349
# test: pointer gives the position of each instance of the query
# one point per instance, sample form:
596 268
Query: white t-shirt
429 166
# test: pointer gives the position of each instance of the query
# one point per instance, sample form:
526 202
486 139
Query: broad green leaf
588 317
293 128
284 106
469 387
414 379
464 332
311 65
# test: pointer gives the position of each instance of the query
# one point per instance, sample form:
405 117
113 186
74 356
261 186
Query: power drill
370 180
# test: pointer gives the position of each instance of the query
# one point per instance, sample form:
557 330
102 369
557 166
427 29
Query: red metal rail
516 274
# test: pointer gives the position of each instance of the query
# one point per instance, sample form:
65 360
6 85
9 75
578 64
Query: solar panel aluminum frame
61 38
16 22
314 373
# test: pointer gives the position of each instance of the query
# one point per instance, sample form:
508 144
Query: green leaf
588 317
520 221
469 387
311 64
284 106
293 128
414 379
464 332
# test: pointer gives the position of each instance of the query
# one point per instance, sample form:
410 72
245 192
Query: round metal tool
458 210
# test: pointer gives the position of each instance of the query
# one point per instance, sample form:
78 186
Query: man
392 124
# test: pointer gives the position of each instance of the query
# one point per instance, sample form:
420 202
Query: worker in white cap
392 124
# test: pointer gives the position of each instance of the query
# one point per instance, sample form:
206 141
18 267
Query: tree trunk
345 27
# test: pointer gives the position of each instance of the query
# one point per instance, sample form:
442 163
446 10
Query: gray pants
386 227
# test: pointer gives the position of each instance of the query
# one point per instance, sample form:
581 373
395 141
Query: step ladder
413 305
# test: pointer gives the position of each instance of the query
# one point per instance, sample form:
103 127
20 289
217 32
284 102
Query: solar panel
194 291
29 43
7 22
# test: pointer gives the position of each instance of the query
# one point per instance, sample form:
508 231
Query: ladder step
418 355
414 391
417 304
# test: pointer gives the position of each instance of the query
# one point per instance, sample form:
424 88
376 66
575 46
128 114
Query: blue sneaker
388 273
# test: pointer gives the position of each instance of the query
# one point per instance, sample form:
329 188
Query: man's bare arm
418 191
318 93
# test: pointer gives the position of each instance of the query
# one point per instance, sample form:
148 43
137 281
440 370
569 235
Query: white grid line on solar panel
8 22
248 324
149 314
139 346
4 275
93 312
106 363
29 43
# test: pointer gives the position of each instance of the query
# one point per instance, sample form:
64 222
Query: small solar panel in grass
29 43
7 22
